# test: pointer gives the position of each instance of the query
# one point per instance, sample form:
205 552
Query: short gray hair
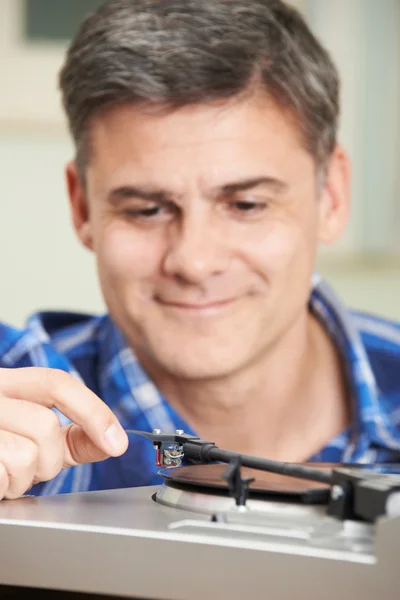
171 53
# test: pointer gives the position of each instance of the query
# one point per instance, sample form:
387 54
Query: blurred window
55 20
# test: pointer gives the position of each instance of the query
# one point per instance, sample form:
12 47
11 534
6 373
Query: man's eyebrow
162 196
130 191
247 184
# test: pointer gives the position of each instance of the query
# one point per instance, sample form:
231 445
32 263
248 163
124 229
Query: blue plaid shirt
95 351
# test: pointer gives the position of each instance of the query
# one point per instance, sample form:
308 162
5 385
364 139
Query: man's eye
248 207
145 213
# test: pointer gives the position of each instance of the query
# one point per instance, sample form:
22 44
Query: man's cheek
280 246
127 260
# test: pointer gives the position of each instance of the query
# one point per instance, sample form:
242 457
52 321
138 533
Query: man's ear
79 205
334 201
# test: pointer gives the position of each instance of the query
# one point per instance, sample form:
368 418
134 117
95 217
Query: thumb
79 448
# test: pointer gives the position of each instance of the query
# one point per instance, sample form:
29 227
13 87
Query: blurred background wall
43 266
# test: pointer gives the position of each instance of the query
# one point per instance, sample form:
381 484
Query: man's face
205 223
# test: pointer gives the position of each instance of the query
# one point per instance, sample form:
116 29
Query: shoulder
381 340
378 334
51 339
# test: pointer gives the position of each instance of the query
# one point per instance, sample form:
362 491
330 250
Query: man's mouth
200 308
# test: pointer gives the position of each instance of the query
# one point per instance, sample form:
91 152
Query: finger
18 456
54 388
78 447
40 425
4 481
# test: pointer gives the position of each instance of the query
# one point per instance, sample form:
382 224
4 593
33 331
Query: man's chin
192 364
190 371
192 353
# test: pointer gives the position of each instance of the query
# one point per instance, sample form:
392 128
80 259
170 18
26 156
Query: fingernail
116 437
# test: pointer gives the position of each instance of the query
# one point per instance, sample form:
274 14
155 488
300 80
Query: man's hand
33 445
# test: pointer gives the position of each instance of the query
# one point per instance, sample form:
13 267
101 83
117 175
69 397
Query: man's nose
197 251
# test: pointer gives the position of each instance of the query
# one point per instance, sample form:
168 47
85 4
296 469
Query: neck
285 405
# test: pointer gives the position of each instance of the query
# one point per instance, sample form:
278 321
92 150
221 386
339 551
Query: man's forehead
200 146
254 117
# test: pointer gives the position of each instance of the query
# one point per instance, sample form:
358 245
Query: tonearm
355 493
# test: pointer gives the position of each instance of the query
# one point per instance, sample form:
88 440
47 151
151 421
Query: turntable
237 527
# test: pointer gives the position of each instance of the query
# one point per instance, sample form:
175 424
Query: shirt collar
370 422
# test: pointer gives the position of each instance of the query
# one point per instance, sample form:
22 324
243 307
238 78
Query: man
207 172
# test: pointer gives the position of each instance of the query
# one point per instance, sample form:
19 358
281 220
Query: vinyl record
209 479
